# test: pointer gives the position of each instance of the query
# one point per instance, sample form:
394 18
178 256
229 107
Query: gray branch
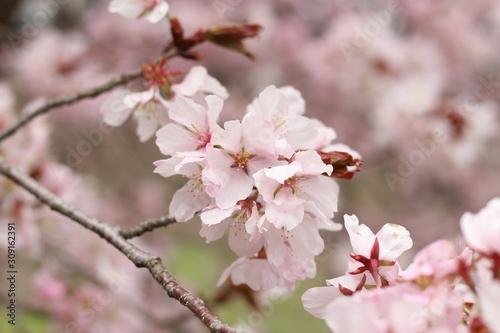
121 80
113 235
146 226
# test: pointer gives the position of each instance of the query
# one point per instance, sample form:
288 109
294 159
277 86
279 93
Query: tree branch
146 226
121 80
112 235
180 46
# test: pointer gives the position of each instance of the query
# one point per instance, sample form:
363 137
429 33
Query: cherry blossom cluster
441 291
267 180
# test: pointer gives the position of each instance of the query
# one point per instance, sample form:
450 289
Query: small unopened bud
344 164
232 36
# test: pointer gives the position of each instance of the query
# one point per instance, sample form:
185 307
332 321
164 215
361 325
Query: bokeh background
414 86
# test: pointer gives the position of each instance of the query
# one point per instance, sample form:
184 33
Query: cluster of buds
231 37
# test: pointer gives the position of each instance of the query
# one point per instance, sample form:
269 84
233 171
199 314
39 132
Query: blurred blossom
151 10
482 230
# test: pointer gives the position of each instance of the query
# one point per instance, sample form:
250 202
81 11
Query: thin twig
121 80
146 226
112 235
94 92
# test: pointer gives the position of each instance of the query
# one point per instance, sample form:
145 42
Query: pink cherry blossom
482 230
294 189
198 80
150 108
393 239
230 165
378 253
287 251
401 308
252 180
216 221
256 273
435 262
153 10
193 127
285 258
185 141
259 274
191 198
316 300
303 242
275 121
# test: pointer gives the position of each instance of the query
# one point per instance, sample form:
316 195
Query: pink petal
301 133
159 12
240 243
172 138
283 172
394 240
323 192
213 86
305 239
312 164
213 215
362 238
230 138
295 102
238 187
276 249
147 124
489 300
186 203
287 215
115 111
214 109
188 113
213 232
316 300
